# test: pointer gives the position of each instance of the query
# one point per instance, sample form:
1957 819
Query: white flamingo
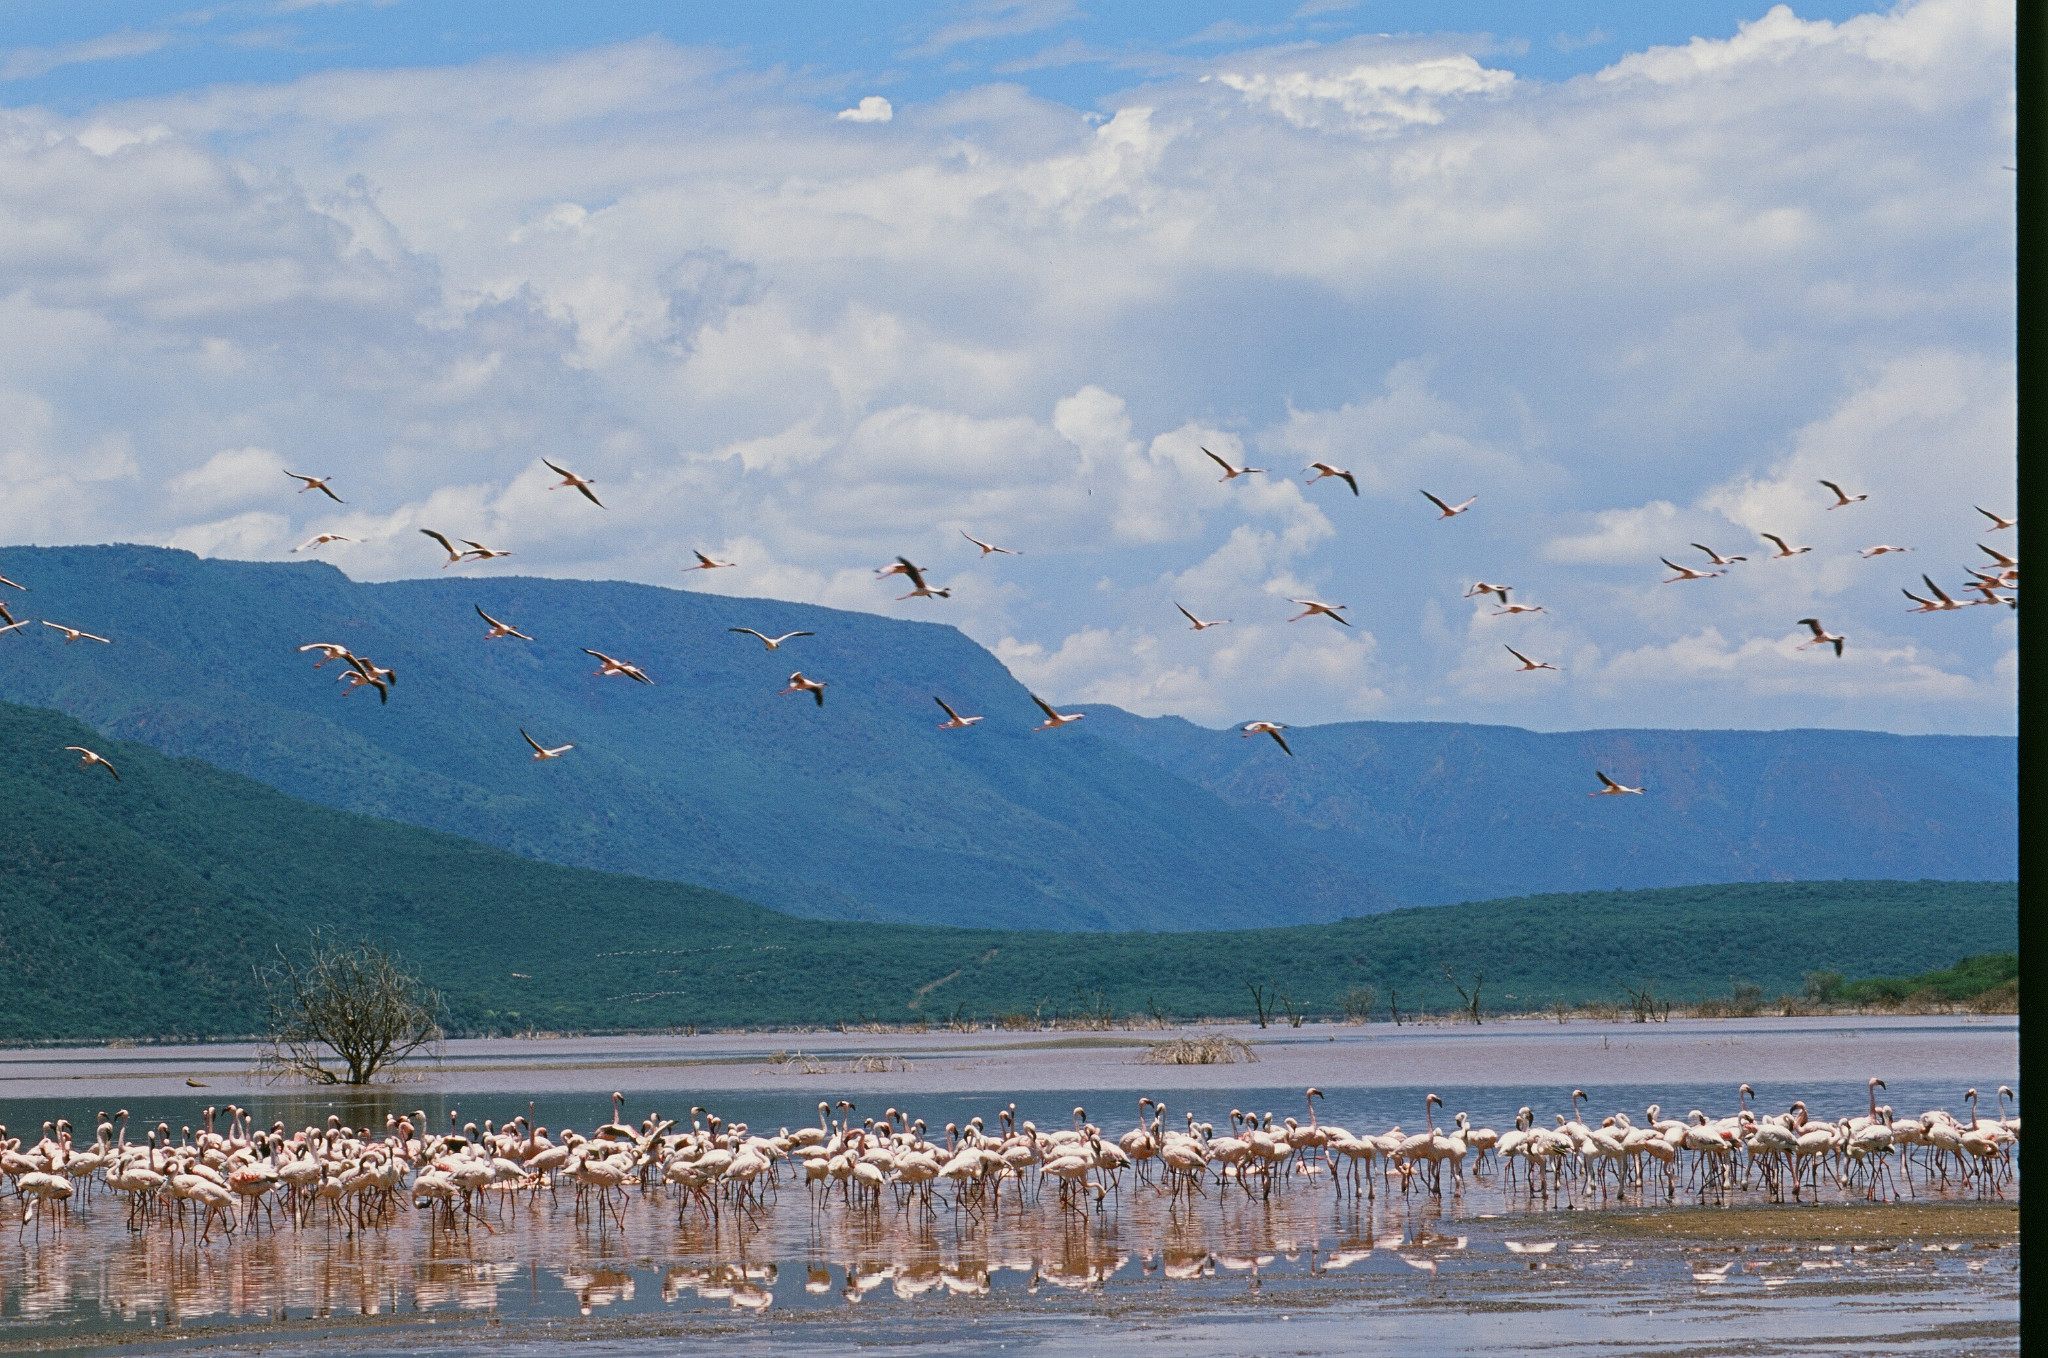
1842 498
1310 608
328 651
481 552
12 584
1511 610
1480 587
1053 718
814 687
918 588
72 634
705 563
1323 469
1231 473
772 643
90 758
1940 603
1687 572
1198 624
1821 636
2010 563
1998 521
571 481
1716 558
1784 549
313 543
1267 728
1528 664
1610 788
318 483
988 548
954 721
499 629
607 665
455 558
1880 550
1449 511
541 751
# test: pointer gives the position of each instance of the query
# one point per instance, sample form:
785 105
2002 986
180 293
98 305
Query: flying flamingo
1997 521
72 634
1784 549
541 751
1940 603
90 759
814 687
1231 473
2011 563
571 481
1528 664
1880 550
1480 587
705 563
314 543
1310 608
1053 718
481 552
988 548
1842 498
1716 558
328 651
1989 589
1323 469
1610 788
955 721
1511 610
11 585
1449 511
318 483
771 642
17 626
607 665
918 588
1267 728
1687 572
1198 623
1821 636
455 558
499 629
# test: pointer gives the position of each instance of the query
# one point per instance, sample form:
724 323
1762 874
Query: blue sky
811 286
1071 52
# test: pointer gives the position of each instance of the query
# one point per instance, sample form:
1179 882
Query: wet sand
1518 1052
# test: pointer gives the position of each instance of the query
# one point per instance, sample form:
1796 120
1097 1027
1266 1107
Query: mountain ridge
864 809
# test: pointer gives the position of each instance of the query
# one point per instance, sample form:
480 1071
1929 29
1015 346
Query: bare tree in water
344 1012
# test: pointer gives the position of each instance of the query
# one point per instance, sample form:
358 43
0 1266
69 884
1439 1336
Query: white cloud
1627 312
872 108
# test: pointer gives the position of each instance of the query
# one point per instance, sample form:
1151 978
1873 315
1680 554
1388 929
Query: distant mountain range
863 809
145 907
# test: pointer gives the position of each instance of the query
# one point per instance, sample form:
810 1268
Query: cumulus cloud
871 109
1628 312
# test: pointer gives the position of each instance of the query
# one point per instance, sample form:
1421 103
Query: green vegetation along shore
143 908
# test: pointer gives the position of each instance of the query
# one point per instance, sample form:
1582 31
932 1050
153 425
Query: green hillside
140 908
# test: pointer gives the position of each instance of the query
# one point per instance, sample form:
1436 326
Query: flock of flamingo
359 1177
1998 584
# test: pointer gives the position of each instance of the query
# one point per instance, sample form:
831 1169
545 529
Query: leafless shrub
1211 1049
797 1063
1358 1003
354 1005
876 1065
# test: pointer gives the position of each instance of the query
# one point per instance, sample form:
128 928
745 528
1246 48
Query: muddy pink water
1300 1271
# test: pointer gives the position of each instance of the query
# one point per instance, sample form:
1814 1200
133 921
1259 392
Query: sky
808 287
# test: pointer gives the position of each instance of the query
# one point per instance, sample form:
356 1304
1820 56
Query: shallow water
1224 1273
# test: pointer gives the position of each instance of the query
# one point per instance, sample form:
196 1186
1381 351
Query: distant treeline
143 909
